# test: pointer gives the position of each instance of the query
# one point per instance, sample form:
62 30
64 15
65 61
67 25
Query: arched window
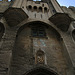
35 8
29 7
45 9
40 9
40 57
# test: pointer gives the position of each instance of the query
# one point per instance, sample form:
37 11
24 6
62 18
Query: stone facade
36 37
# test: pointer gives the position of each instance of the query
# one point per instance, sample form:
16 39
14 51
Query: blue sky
66 2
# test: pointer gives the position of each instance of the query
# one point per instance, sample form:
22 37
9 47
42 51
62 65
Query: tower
36 37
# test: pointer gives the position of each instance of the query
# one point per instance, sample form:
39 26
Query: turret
58 17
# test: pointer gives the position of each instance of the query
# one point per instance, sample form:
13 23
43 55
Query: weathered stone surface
21 53
4 6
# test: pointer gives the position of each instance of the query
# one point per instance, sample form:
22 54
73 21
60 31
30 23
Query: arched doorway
41 71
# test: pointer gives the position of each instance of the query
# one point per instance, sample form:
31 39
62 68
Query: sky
66 2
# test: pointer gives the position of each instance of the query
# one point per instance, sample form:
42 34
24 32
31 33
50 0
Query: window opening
40 9
45 9
29 7
38 31
43 5
35 8
35 15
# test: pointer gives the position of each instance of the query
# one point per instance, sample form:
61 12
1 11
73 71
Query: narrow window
35 15
40 9
35 8
42 5
45 9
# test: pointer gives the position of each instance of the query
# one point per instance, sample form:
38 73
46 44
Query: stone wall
4 6
18 47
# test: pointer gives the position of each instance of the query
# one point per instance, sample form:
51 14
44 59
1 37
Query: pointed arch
38 23
41 71
27 46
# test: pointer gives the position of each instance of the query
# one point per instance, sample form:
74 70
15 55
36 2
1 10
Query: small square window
38 31
41 33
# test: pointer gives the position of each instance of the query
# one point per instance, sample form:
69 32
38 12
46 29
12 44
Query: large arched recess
2 30
23 54
39 22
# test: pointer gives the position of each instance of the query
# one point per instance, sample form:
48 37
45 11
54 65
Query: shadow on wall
73 35
2 30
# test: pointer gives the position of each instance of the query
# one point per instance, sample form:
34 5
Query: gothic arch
40 23
2 30
41 71
25 48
